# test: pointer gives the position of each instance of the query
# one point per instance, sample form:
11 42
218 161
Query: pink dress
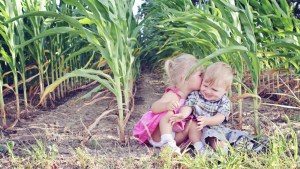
149 121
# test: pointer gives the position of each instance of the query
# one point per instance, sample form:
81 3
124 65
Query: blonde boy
210 107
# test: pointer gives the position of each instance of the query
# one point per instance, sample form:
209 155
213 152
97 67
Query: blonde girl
154 126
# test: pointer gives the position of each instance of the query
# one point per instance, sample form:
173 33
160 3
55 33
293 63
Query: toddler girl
154 126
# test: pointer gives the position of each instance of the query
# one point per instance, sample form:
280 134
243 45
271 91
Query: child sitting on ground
211 108
154 126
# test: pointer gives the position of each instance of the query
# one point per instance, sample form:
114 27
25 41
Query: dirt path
65 126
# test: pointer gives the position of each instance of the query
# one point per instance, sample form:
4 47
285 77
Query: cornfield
50 48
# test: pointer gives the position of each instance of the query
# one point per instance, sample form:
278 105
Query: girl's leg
164 127
156 135
166 134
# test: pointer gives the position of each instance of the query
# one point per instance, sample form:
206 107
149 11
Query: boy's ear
227 89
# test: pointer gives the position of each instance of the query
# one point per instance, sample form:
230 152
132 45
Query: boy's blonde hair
219 73
178 68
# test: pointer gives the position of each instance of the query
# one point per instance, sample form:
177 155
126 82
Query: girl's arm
210 121
169 101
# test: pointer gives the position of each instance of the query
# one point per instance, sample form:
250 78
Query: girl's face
195 80
212 91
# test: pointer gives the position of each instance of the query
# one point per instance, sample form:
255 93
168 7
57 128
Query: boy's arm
214 120
184 112
223 112
210 121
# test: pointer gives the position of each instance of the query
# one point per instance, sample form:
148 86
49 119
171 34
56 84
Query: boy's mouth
207 96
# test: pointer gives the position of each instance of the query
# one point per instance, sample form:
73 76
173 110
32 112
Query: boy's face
212 91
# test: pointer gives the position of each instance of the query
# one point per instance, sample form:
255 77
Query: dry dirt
65 126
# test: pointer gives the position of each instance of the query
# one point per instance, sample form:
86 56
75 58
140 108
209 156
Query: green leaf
86 73
48 32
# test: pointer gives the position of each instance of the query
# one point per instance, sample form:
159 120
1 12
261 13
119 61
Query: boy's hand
176 118
172 105
202 122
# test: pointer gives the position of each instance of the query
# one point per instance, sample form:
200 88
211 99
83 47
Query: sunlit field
76 75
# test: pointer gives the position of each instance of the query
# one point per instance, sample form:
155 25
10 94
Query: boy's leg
215 144
182 136
194 134
195 137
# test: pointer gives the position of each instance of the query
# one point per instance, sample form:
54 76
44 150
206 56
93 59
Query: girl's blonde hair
178 68
219 73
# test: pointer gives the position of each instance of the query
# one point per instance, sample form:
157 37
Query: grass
37 155
282 153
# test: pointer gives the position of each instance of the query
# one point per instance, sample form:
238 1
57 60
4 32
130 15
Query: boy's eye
215 90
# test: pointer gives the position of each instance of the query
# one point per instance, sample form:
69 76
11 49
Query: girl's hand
172 105
176 118
202 122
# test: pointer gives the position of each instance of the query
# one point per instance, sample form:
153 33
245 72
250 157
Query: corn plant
58 48
112 32
7 32
210 30
36 25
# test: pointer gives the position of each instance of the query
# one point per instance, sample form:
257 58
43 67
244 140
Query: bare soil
66 126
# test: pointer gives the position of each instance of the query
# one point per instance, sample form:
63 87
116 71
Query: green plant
84 159
281 153
113 31
241 34
10 148
10 56
42 156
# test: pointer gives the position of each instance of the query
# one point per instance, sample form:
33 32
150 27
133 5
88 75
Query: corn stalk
112 31
2 104
34 27
216 27
7 32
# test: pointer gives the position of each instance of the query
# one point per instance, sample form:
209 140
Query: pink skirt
148 123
